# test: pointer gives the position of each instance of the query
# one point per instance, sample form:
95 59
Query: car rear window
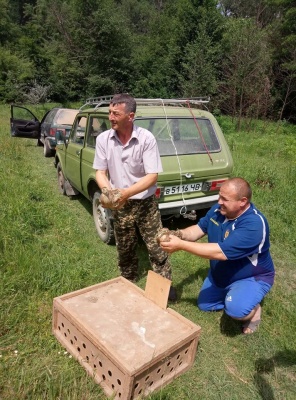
66 117
182 135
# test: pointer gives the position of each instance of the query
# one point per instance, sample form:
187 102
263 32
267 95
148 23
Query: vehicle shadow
84 202
182 222
265 366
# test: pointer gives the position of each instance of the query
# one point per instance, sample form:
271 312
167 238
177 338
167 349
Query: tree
198 75
94 39
283 41
261 11
179 53
9 30
245 85
154 48
15 74
286 81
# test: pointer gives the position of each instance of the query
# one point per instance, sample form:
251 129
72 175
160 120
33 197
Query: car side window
50 116
77 134
96 126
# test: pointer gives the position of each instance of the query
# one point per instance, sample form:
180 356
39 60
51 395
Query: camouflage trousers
144 215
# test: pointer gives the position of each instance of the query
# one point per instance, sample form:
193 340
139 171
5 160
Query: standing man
241 268
127 158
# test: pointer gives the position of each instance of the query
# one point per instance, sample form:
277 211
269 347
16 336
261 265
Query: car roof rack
97 101
177 101
101 101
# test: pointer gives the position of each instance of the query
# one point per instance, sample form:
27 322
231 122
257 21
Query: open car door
23 123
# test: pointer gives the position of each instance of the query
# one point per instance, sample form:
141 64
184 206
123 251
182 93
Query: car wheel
61 180
102 220
48 152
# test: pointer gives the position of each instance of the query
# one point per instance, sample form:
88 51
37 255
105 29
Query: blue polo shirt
245 243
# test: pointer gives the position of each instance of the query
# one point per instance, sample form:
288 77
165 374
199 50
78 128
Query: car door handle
78 152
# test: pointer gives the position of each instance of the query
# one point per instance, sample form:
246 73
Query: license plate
186 188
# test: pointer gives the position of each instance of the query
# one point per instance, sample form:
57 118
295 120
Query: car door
46 123
74 151
96 125
23 123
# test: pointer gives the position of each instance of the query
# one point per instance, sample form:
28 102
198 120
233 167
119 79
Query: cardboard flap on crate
157 289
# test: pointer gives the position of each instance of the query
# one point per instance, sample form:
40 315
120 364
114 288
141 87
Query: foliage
262 12
284 44
49 247
8 30
37 94
199 70
15 73
199 73
245 87
154 48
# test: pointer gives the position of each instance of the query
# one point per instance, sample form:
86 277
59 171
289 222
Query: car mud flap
70 190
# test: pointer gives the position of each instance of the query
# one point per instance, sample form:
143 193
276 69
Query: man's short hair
242 187
125 98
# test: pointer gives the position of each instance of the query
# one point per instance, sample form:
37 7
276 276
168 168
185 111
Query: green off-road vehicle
195 157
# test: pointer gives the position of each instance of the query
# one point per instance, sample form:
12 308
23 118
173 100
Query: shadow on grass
229 326
181 222
264 366
200 273
84 202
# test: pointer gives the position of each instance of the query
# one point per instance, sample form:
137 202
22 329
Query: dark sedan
23 123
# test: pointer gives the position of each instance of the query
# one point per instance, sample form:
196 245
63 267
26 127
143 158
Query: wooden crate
129 344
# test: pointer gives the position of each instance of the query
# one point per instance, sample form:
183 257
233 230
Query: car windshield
66 117
182 135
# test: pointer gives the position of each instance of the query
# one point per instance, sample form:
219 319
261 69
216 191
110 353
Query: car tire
48 152
61 180
102 219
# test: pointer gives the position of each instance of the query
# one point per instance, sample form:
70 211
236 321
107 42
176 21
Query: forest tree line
240 53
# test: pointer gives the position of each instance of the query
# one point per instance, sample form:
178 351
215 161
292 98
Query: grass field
49 246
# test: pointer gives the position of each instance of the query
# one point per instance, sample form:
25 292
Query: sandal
251 325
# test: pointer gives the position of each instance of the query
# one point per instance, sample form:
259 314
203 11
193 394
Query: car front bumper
183 206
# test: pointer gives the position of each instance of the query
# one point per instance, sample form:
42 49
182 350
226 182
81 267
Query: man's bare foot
252 324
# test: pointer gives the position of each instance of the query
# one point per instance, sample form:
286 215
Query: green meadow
49 247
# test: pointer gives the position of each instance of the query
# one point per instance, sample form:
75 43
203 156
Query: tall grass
49 246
